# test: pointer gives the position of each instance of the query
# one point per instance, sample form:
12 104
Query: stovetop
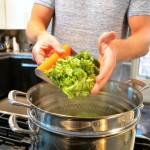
10 140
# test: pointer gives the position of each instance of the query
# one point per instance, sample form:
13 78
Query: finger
105 71
106 38
39 59
104 75
38 56
101 82
98 86
33 58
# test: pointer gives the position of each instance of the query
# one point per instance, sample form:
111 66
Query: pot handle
12 98
135 83
14 125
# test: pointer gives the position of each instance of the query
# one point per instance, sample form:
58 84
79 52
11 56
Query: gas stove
10 140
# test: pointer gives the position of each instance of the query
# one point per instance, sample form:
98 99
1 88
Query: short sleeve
48 3
139 7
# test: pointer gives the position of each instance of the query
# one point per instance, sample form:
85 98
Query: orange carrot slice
47 64
68 51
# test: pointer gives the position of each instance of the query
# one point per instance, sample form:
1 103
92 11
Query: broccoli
75 75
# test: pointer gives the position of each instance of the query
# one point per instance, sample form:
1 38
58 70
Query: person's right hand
45 46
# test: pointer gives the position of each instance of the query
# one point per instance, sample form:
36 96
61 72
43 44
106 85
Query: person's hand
45 46
107 60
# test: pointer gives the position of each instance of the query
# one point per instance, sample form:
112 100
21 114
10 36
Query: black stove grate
142 143
11 140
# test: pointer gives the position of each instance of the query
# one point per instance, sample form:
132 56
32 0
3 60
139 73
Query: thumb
106 38
38 55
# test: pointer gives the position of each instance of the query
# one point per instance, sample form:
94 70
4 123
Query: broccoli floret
75 75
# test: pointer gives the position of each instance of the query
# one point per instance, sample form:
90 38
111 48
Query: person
113 31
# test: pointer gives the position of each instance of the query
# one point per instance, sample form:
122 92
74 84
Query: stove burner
10 140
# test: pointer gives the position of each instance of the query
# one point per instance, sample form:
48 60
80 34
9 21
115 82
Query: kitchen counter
20 55
4 54
16 55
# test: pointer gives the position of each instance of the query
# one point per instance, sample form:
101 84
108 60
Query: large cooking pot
43 139
98 120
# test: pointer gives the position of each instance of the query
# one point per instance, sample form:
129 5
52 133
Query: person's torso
80 23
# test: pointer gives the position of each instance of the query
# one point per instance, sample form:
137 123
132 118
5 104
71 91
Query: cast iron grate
11 140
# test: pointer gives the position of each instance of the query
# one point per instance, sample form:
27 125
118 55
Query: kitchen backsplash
20 35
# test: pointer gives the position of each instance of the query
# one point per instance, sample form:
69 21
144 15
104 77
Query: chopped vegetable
75 75
51 61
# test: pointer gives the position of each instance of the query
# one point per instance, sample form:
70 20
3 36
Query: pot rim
87 134
31 105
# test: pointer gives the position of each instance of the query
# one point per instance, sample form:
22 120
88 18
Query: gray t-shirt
81 22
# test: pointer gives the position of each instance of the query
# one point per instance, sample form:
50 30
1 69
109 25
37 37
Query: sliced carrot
47 64
68 51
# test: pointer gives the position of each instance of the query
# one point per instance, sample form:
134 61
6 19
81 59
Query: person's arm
39 21
45 43
114 50
137 44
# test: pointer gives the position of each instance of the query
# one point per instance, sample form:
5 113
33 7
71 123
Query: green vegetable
75 75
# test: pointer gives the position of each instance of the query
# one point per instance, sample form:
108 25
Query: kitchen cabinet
28 74
18 13
16 74
15 13
4 76
23 76
2 14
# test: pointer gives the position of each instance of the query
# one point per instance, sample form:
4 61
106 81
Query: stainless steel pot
111 115
42 139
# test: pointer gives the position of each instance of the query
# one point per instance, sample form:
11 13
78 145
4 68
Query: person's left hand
107 60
